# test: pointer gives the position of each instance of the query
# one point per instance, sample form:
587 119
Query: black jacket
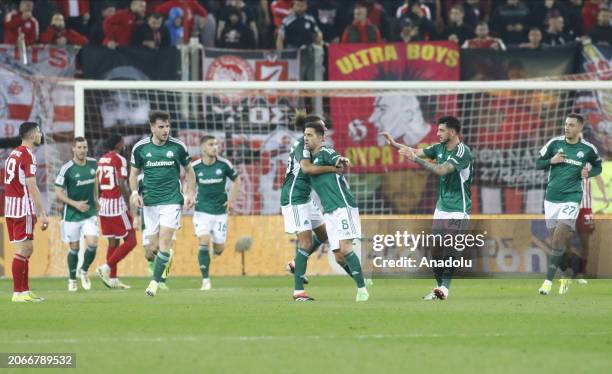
145 33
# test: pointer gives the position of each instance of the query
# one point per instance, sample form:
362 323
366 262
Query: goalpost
504 122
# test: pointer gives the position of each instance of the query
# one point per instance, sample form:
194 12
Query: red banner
409 117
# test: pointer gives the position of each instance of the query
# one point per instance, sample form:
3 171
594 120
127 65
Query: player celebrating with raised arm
565 157
74 186
160 157
115 219
454 167
212 203
22 201
341 215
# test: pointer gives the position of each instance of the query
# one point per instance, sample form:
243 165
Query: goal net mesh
504 129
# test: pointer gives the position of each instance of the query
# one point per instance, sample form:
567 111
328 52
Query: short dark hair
576 116
78 139
451 123
25 129
301 119
158 114
316 126
482 23
112 141
206 138
155 15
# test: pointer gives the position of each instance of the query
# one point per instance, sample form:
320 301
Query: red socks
109 254
20 273
121 252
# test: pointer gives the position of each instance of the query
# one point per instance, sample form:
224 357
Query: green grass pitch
251 325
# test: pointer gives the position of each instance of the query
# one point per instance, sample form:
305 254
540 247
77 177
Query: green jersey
332 188
296 187
454 193
161 165
564 179
78 182
211 180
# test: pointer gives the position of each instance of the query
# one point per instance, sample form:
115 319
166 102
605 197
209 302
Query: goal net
504 123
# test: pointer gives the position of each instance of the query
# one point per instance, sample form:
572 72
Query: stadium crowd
248 24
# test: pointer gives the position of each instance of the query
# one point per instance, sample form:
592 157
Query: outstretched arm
417 151
438 169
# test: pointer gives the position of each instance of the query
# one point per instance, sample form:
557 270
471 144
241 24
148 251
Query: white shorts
342 224
211 224
565 213
160 215
303 217
71 231
450 220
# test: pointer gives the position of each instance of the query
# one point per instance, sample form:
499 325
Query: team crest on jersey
92 172
169 154
439 155
580 154
218 172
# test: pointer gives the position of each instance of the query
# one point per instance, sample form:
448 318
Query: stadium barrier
517 245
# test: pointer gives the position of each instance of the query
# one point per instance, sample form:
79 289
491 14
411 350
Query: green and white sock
204 260
160 264
301 260
88 258
554 261
355 267
73 260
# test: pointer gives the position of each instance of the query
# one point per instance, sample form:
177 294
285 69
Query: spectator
535 40
190 9
246 17
417 14
574 18
590 13
21 22
554 35
483 40
473 13
405 9
362 30
175 26
76 14
57 33
377 15
543 10
298 29
96 35
457 31
602 32
236 34
332 17
510 21
119 28
280 9
409 31
153 34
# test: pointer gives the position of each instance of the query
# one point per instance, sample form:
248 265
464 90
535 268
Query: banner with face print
410 117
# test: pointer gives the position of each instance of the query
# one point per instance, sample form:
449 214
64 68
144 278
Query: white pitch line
202 338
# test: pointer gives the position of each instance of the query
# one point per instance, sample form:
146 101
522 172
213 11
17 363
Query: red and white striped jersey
586 202
20 164
112 169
